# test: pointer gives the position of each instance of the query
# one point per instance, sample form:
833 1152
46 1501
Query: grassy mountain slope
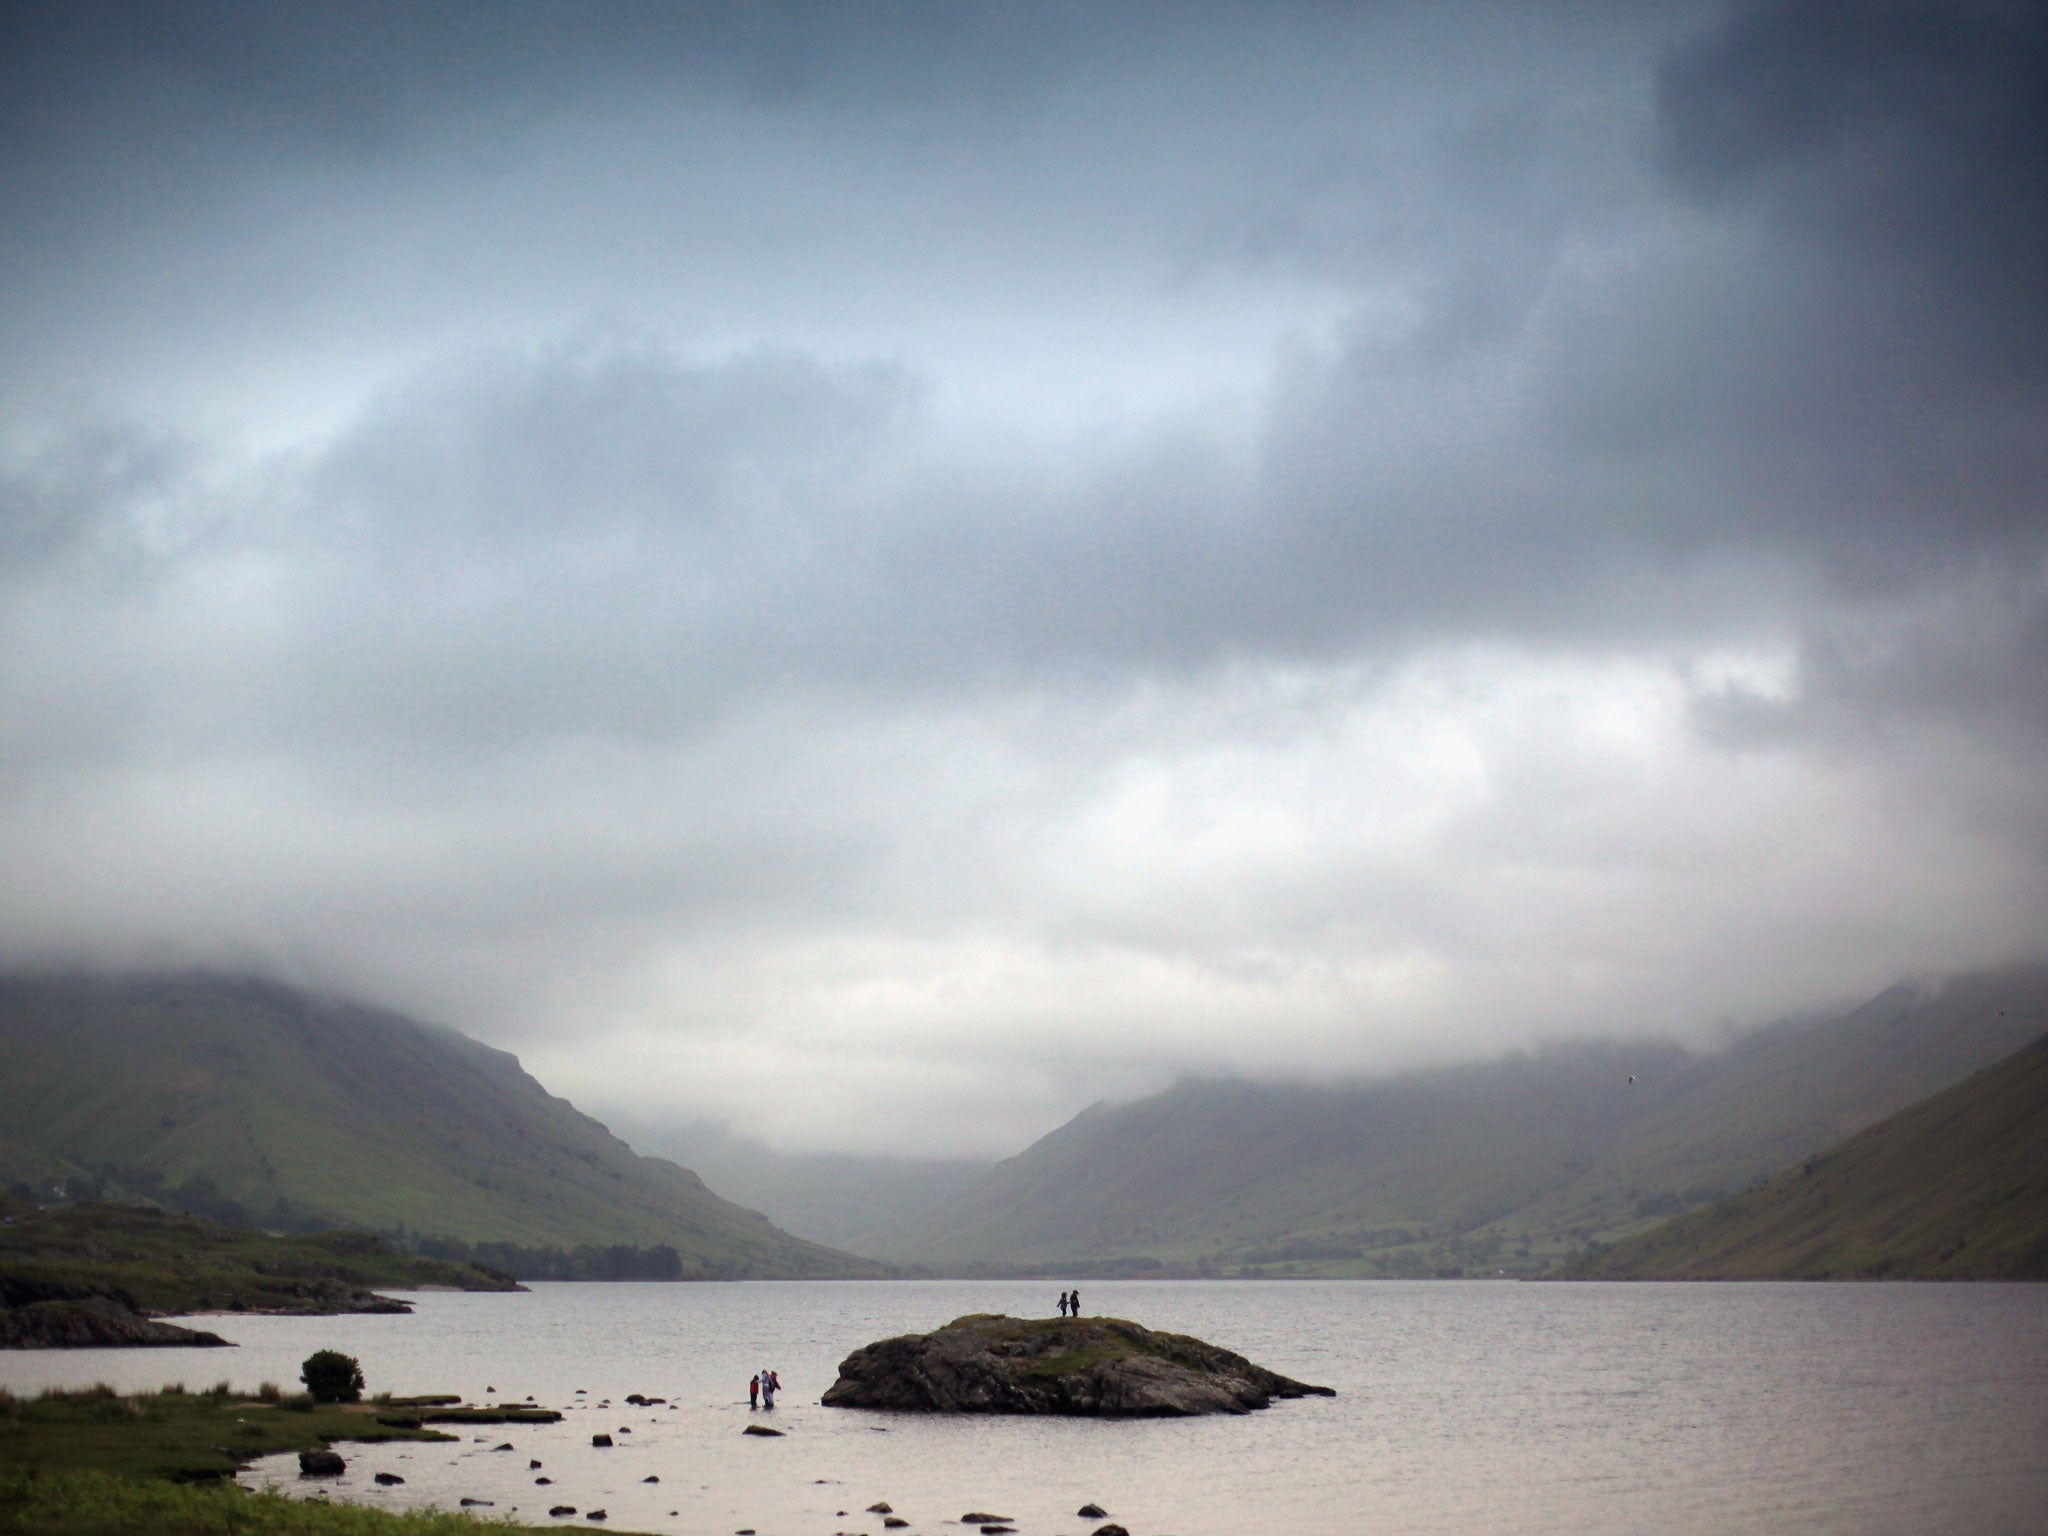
1954 1187
299 1111
1512 1164
1772 1097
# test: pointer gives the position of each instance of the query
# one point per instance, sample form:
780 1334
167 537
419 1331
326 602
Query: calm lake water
1475 1408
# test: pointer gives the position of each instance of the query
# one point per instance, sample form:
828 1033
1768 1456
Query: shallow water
1473 1407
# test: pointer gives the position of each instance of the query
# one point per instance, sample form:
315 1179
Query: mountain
841 1198
245 1100
1514 1164
1952 1188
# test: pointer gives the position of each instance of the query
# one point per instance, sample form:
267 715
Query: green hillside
248 1101
1511 1165
1953 1188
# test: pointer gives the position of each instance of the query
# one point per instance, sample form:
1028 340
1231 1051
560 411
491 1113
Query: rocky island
1091 1366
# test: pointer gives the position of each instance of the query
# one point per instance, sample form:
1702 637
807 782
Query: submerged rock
1095 1366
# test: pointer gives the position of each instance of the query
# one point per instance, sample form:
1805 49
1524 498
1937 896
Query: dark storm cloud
1910 141
1896 156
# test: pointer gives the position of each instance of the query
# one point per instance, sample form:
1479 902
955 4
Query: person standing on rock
753 1393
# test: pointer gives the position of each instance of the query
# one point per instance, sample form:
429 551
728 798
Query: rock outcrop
94 1323
1094 1366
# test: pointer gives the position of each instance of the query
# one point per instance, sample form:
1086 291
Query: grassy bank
98 1463
177 1435
101 1504
162 1263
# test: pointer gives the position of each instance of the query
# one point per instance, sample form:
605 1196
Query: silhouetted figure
1063 1303
753 1393
1074 1303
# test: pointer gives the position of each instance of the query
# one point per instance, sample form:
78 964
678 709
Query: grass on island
1059 1346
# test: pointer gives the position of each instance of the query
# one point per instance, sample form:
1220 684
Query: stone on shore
1093 1366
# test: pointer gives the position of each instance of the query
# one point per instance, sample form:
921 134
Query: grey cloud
98 482
748 577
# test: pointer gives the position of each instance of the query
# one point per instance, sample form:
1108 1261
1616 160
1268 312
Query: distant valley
845 1199
1508 1166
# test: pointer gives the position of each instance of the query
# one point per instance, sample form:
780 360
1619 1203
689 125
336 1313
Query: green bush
332 1377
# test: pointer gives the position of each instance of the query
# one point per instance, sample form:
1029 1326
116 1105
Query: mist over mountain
1954 1187
1510 1164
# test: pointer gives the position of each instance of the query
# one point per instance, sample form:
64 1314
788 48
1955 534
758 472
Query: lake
1468 1407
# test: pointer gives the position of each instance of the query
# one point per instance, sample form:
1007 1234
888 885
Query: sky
882 573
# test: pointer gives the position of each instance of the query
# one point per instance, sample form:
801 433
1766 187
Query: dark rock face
1096 1366
95 1323
762 1430
389 1479
1092 1512
321 1464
